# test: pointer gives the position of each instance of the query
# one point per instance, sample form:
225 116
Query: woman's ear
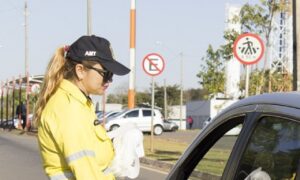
80 71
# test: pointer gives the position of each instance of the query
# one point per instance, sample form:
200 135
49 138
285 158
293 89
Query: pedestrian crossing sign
248 48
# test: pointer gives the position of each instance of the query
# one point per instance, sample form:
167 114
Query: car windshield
117 114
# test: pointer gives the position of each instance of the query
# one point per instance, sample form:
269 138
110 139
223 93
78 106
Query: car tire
114 127
174 129
157 130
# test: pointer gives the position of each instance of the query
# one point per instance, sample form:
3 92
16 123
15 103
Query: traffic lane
20 158
147 173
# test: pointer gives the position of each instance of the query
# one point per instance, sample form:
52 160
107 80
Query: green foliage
194 94
14 99
226 50
212 75
117 98
173 95
279 82
143 97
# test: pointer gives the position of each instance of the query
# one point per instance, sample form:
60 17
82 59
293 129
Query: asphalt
184 136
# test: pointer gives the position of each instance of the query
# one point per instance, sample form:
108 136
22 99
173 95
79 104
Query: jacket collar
74 91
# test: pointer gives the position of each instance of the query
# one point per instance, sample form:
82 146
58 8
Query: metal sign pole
247 81
152 113
13 104
2 89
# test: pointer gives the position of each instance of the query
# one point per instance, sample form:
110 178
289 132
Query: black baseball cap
97 49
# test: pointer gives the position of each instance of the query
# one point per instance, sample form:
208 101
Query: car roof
289 99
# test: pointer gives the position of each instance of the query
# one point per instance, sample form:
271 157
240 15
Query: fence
13 93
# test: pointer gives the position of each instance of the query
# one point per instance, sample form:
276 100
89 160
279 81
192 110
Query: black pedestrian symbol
248 48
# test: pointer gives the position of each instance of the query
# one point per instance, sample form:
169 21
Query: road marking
155 170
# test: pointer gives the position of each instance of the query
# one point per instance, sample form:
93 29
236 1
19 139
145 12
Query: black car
268 146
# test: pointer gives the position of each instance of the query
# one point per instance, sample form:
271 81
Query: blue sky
166 27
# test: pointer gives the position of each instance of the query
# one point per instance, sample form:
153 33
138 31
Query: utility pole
296 54
165 99
181 89
89 17
131 91
26 65
26 37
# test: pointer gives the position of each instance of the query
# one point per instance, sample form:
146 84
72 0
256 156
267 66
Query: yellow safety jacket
72 147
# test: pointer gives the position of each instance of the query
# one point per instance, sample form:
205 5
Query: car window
147 113
273 150
212 165
112 114
132 114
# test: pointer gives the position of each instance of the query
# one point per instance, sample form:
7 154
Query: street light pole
181 89
26 66
89 17
296 53
26 37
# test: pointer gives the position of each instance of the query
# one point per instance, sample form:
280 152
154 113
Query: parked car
170 126
140 116
268 146
106 115
206 122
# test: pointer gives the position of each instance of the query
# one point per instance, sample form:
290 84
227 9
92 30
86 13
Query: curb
155 164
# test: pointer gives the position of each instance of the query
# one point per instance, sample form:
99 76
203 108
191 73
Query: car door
146 119
207 156
133 117
268 147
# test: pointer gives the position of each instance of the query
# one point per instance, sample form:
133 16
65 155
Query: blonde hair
59 68
53 76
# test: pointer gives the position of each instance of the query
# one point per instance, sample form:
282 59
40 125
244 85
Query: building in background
233 66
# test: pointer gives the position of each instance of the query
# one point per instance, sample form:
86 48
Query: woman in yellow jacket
72 143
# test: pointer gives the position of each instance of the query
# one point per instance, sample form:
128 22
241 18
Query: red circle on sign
235 48
159 70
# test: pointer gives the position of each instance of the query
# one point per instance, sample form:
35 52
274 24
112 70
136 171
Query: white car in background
140 116
106 115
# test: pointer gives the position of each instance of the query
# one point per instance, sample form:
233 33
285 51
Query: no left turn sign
153 64
248 48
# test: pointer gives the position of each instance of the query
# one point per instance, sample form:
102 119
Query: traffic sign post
248 48
35 88
153 65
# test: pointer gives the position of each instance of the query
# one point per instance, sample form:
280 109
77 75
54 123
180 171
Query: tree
143 97
259 19
194 94
212 75
117 98
173 94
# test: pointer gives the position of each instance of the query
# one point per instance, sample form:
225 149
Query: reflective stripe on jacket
71 145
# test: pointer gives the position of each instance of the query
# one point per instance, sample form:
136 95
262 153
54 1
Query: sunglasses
107 75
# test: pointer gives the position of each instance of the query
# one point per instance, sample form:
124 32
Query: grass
169 151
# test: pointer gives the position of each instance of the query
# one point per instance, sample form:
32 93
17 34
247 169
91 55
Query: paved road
20 159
